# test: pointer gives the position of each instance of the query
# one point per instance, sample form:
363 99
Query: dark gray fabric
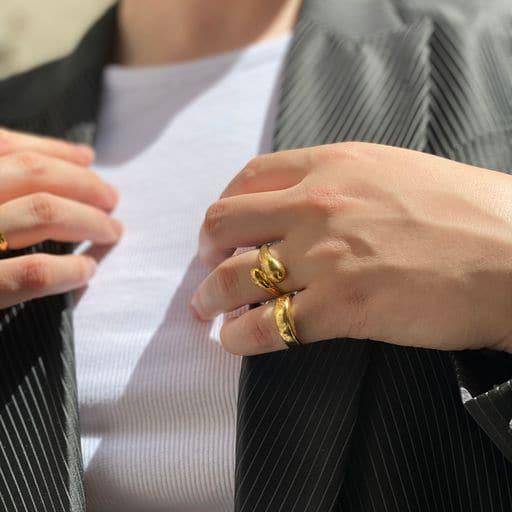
40 458
340 425
420 79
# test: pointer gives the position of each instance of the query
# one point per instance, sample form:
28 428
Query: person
375 246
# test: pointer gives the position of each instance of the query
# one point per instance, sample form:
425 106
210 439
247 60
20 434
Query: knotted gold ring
271 272
3 243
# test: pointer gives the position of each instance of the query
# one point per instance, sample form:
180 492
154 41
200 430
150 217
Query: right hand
48 191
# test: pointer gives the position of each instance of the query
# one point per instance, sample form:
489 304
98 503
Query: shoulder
26 95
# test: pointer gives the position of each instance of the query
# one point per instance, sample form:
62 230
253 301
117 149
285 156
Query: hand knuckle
331 251
34 274
227 280
37 170
260 334
340 152
252 167
247 175
28 161
214 218
322 199
43 208
356 304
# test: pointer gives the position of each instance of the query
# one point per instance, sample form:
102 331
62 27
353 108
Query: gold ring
284 320
260 279
273 268
3 243
271 272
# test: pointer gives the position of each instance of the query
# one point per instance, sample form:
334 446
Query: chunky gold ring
3 243
259 278
272 267
284 320
270 273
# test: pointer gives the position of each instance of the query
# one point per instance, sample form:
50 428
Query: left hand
381 243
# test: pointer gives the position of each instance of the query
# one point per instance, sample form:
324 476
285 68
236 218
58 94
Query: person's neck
156 32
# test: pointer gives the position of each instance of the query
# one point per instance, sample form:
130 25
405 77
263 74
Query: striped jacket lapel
355 71
40 458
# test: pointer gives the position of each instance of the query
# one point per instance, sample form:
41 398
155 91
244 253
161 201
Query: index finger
14 142
270 172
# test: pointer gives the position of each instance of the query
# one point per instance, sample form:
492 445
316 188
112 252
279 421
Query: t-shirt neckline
118 76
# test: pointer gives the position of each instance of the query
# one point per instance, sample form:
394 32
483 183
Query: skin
49 192
48 189
381 243
172 31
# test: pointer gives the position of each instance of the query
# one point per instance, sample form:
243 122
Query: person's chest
169 140
149 373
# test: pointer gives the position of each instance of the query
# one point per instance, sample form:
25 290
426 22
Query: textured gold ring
284 320
3 243
270 273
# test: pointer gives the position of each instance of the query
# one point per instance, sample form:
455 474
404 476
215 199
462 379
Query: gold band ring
3 243
284 320
270 273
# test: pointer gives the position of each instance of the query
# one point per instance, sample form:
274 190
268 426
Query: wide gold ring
3 243
270 273
284 320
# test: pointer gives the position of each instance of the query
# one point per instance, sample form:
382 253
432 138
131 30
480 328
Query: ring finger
38 217
230 285
256 332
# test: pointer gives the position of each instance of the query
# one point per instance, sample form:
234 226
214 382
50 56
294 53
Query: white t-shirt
157 393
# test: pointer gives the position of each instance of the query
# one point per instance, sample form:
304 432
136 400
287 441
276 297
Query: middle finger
244 221
22 174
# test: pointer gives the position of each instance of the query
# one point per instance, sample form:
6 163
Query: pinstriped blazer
340 425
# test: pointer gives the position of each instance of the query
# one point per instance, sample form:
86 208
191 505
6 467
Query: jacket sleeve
485 381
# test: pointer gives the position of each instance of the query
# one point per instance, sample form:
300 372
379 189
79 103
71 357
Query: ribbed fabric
40 456
342 425
157 393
